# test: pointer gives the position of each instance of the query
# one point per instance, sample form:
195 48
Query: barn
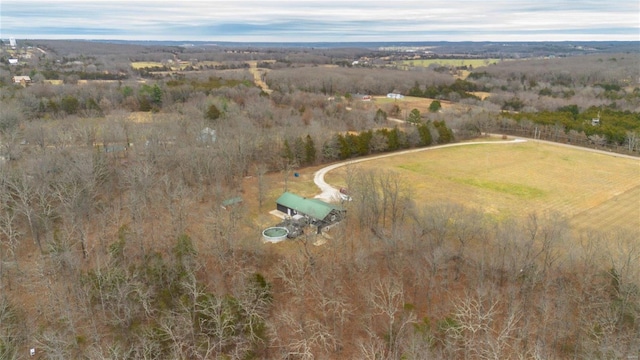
320 213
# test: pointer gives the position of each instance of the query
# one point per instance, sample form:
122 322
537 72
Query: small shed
319 212
361 97
231 202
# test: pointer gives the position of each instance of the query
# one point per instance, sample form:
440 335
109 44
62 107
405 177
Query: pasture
447 62
591 191
145 64
409 103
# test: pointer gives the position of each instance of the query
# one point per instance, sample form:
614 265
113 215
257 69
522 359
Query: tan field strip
409 103
590 190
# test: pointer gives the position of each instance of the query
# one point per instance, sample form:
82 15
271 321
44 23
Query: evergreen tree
287 154
298 151
445 135
381 116
415 90
309 151
213 113
415 117
393 139
364 139
343 146
156 95
425 135
435 106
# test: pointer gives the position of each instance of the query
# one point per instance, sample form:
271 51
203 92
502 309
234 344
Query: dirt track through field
257 76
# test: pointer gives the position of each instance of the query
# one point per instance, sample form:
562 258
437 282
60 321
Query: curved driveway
329 193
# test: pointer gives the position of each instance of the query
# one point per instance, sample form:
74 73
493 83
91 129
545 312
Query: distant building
22 80
361 97
395 96
13 61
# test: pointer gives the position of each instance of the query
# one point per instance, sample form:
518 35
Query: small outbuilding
320 213
361 97
22 80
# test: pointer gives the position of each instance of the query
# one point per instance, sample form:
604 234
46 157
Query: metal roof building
317 210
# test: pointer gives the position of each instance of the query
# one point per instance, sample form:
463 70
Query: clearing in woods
592 191
409 103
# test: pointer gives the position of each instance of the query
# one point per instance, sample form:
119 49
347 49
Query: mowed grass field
590 190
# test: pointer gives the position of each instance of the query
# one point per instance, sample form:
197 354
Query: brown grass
592 191
409 103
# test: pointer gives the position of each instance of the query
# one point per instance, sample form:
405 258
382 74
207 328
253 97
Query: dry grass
145 64
449 62
592 191
141 117
257 75
409 103
481 94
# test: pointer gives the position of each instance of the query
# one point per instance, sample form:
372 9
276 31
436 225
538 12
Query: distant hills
438 47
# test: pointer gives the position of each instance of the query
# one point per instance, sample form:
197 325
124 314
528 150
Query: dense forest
114 244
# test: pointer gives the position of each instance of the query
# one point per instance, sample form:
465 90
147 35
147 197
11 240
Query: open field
409 103
448 62
145 64
592 191
151 64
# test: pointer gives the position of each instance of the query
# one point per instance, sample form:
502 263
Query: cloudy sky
317 21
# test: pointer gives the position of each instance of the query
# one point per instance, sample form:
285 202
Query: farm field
145 64
448 62
591 191
409 103
174 66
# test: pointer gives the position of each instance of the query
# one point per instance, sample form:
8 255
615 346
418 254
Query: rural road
330 193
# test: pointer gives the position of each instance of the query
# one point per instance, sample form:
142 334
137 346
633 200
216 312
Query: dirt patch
258 74
481 94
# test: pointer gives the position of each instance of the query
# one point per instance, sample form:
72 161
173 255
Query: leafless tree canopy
114 241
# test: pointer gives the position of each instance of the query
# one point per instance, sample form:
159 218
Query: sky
322 21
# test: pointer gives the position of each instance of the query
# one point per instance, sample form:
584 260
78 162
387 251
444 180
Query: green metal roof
315 208
232 201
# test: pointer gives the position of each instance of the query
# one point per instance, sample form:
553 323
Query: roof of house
21 78
314 208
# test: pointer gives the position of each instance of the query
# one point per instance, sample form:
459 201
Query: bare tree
632 140
386 299
480 333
